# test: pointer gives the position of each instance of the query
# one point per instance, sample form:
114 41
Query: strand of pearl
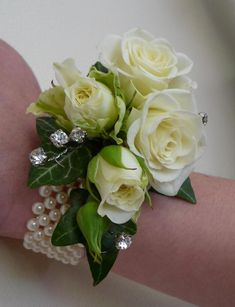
41 226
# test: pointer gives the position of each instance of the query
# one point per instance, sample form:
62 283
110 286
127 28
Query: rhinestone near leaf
59 138
37 156
78 135
123 241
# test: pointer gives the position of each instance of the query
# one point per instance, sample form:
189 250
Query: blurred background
47 31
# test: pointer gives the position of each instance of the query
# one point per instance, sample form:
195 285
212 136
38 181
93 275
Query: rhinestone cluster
123 241
46 216
59 139
37 156
204 117
78 135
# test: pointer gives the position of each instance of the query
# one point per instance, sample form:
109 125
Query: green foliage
67 231
64 165
111 80
109 252
186 192
51 102
93 226
113 155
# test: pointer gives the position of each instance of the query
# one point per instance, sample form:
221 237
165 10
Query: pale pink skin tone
180 249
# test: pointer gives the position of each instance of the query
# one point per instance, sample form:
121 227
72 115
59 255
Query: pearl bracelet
41 226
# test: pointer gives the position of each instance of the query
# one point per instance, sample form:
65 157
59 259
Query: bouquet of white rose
131 125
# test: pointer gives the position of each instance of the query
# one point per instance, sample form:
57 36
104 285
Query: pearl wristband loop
46 215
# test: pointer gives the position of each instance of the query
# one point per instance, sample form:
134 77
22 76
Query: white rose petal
145 64
169 135
121 188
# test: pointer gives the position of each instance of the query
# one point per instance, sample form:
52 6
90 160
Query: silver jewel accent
59 138
37 156
78 135
204 117
123 241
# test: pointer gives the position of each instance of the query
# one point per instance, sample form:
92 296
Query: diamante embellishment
59 138
37 156
78 135
204 117
123 241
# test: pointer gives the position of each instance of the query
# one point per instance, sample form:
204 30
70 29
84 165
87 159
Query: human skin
181 249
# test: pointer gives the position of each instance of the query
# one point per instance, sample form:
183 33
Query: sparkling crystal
59 138
37 156
78 135
204 116
123 241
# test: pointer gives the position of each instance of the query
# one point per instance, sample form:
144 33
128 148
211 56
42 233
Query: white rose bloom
122 187
88 104
145 64
169 135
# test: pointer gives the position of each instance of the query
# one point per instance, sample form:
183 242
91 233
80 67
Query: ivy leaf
100 67
186 192
100 271
64 170
67 231
109 252
45 127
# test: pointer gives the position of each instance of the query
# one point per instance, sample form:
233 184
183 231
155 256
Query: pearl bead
28 237
70 185
38 208
74 261
65 261
27 245
64 208
61 198
59 249
50 203
57 188
51 254
49 230
45 191
38 235
77 254
36 249
32 224
54 215
44 220
69 248
45 243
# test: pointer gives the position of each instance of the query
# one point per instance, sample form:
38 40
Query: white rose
88 104
120 181
168 134
145 64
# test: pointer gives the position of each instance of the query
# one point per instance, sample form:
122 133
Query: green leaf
186 192
51 102
64 170
100 67
45 127
93 226
100 271
67 231
113 155
111 80
109 252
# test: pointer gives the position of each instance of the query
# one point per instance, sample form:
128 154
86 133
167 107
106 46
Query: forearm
18 87
187 251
